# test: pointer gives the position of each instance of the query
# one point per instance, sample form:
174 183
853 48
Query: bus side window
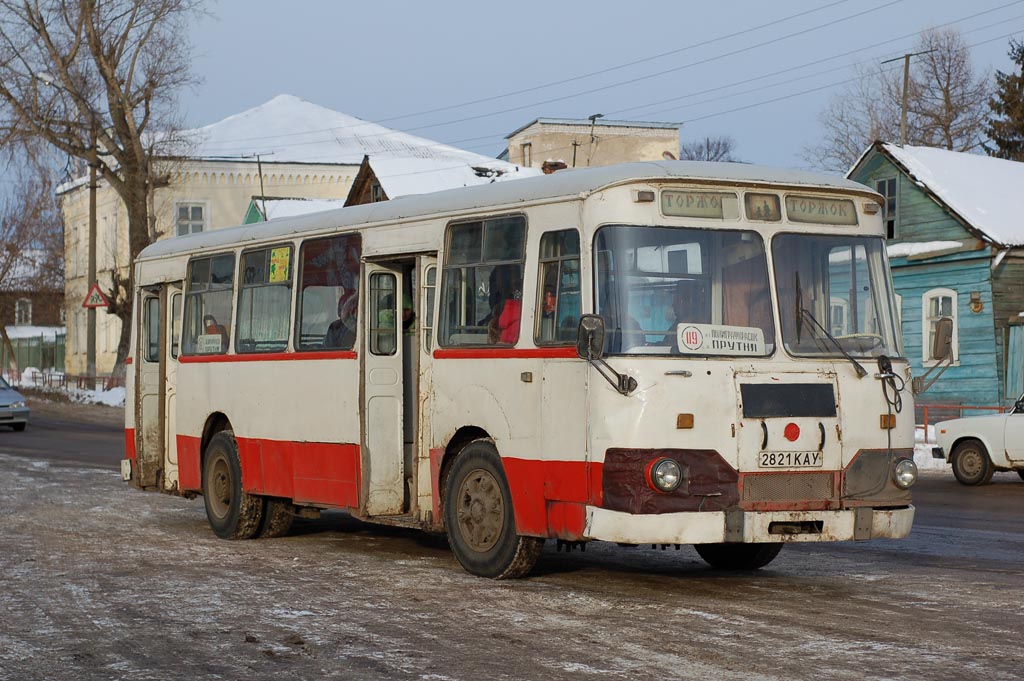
328 293
558 293
482 283
208 305
152 353
264 300
383 299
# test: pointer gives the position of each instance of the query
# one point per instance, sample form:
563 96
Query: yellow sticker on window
280 258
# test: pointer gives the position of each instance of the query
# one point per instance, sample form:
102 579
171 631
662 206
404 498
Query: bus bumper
715 527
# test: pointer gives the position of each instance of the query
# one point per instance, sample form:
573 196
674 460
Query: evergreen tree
1006 124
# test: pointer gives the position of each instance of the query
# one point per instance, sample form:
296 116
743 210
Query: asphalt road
104 582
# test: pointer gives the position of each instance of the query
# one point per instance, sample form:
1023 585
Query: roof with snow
600 122
985 193
269 209
288 129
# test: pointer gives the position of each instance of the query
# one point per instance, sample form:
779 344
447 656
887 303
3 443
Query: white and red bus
650 353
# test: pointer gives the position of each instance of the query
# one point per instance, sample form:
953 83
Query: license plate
789 460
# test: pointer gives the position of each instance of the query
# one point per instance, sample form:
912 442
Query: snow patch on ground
923 452
48 332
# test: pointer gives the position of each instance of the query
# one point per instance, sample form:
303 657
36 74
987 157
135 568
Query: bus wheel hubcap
481 510
221 488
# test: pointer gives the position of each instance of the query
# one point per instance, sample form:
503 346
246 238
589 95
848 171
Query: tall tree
98 80
708 149
31 233
1006 123
946 104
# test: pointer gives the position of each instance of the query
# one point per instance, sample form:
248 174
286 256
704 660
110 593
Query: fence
943 412
42 352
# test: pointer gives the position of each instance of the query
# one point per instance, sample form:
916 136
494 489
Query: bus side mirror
942 343
590 337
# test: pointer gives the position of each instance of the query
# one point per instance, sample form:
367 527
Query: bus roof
565 183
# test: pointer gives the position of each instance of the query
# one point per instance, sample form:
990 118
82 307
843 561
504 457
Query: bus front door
149 382
382 417
172 315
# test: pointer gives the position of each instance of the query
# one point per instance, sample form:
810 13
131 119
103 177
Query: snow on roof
984 191
286 208
564 183
288 129
910 249
405 176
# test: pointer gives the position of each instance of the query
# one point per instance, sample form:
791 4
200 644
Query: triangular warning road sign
95 298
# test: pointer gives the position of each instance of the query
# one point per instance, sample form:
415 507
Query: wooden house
955 226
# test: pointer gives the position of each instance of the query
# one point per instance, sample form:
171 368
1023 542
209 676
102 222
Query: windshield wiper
802 313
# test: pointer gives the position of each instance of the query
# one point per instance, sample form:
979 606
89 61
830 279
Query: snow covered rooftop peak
288 129
984 191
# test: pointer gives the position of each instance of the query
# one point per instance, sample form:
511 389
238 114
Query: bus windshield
670 290
835 286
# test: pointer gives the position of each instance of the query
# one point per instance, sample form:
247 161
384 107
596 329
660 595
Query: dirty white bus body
737 381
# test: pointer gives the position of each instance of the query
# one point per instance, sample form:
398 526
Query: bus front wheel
232 513
738 556
479 520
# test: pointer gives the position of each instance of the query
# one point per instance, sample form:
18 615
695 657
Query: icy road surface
100 581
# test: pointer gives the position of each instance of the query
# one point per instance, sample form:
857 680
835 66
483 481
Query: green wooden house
955 224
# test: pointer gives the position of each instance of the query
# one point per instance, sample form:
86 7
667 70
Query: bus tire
233 514
278 515
19 427
479 519
738 556
971 464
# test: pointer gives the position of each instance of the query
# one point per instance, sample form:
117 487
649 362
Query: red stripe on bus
269 357
307 472
504 353
549 497
129 444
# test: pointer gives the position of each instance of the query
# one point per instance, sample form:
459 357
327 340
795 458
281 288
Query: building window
22 312
887 188
191 218
376 192
559 291
527 154
482 283
935 304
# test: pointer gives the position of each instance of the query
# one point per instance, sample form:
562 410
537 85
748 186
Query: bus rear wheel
738 556
233 514
479 520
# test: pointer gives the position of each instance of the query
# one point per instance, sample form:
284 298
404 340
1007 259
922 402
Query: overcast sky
390 62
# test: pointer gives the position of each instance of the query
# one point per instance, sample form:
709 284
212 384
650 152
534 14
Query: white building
304 150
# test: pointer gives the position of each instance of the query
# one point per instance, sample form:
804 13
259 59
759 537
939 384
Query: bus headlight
666 475
904 473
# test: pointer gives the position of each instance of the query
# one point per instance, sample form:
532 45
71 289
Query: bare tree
946 104
97 80
708 149
31 233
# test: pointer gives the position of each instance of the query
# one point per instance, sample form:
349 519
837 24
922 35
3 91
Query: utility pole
906 91
590 150
90 342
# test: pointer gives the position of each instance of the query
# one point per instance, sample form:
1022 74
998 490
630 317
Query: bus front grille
788 486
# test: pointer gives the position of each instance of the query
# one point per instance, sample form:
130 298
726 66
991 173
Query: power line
630 81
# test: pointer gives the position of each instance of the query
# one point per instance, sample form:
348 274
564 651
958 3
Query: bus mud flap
734 525
862 523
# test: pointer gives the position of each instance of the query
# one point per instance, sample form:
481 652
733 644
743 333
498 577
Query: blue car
13 410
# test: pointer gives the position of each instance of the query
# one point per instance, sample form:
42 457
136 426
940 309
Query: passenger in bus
408 315
686 307
341 334
508 321
211 327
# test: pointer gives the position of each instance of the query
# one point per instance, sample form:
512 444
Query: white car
979 446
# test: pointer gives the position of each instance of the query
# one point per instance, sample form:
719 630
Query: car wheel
18 427
971 464
233 514
738 556
479 519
